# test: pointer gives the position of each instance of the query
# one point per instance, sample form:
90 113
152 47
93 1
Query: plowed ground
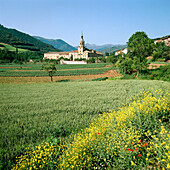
110 73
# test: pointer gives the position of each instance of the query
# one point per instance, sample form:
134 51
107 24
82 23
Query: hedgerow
135 136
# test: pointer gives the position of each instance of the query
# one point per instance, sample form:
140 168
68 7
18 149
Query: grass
157 62
11 48
32 70
37 66
20 73
161 73
33 113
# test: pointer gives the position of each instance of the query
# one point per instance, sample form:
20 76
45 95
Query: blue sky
102 21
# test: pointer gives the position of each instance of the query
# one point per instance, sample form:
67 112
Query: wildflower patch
135 136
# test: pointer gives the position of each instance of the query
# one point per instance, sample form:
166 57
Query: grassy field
37 66
45 79
32 70
11 48
32 113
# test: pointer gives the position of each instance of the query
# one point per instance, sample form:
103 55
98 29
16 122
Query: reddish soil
154 66
110 73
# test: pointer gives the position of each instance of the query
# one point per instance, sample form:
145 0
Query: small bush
114 78
100 79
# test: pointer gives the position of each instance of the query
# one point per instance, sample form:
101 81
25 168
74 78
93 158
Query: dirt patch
155 66
110 73
149 57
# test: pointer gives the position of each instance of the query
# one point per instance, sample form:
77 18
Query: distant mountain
57 43
113 49
21 40
110 48
97 47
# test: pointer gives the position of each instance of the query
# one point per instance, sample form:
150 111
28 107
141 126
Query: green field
31 70
33 113
11 48
37 66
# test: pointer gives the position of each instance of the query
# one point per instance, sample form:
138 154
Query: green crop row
20 73
58 66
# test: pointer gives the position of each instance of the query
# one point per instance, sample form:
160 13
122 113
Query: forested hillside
57 43
21 40
113 49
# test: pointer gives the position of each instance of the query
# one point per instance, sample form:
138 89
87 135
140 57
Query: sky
101 21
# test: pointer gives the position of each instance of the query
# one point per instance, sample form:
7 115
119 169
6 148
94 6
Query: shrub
114 78
100 79
162 73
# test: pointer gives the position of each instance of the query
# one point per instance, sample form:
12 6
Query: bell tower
81 45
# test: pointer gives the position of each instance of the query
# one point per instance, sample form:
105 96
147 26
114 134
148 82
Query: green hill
25 41
11 48
57 43
113 49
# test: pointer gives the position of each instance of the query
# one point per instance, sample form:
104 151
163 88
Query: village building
121 51
81 53
166 40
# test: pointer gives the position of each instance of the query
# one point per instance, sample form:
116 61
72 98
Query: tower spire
81 45
82 35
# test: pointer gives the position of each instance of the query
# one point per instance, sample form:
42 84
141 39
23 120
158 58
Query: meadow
35 113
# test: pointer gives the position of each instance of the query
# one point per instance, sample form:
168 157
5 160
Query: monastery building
81 53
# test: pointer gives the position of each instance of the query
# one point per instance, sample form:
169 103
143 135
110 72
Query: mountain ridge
97 47
20 39
57 43
113 49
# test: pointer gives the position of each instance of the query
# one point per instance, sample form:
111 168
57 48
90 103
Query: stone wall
72 62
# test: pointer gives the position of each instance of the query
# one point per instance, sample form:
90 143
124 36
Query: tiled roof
119 51
76 51
98 52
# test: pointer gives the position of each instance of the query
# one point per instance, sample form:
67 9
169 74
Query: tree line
139 48
7 56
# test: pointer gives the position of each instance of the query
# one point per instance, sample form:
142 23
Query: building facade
121 51
81 53
166 40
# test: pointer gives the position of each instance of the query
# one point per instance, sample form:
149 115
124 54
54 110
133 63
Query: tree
106 54
103 59
71 58
91 60
161 51
51 69
112 58
139 47
125 64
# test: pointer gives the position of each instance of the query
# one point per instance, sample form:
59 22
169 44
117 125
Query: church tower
81 46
